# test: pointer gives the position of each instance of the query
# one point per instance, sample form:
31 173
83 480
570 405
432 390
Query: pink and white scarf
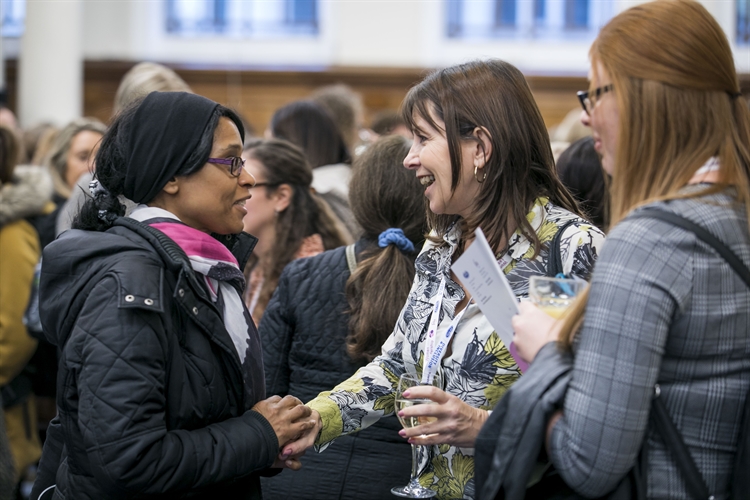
212 261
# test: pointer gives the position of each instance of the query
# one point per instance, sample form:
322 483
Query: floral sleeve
364 397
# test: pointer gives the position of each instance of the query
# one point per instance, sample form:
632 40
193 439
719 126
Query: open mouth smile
427 180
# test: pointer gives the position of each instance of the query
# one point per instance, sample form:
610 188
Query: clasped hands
291 421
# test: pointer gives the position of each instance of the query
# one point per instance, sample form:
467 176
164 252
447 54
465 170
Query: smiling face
604 120
429 157
81 155
211 199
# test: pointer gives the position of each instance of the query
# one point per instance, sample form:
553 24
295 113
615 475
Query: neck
266 238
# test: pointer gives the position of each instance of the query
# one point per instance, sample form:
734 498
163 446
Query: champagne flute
554 295
406 381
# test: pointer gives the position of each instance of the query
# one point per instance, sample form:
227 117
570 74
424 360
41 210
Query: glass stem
414 465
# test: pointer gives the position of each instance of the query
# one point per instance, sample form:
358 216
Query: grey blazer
664 308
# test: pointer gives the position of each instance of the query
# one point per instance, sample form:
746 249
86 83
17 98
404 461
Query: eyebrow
232 148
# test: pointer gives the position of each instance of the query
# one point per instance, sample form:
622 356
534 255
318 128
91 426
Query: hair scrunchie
395 236
98 191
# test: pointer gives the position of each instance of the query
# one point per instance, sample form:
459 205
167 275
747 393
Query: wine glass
554 295
406 381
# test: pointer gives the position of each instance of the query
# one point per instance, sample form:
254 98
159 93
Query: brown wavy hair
680 104
492 94
307 213
383 194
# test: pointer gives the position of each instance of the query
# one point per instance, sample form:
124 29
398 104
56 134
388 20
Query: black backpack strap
554 260
668 431
724 251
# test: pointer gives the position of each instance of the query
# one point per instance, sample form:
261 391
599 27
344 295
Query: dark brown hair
307 213
308 125
494 95
580 170
10 149
383 194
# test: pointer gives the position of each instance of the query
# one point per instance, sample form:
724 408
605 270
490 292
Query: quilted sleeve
118 358
276 332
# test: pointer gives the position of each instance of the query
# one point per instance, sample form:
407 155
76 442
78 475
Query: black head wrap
167 127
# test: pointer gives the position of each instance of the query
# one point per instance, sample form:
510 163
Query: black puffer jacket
150 397
304 333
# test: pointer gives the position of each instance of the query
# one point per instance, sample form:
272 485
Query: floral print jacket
479 368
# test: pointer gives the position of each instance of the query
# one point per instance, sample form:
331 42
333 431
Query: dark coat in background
151 400
304 332
510 442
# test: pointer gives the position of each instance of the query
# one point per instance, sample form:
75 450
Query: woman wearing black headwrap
161 389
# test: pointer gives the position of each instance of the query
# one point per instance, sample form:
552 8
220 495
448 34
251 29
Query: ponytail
376 293
383 196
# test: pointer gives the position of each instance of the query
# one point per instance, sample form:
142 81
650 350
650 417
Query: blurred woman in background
288 218
308 125
332 313
25 191
71 155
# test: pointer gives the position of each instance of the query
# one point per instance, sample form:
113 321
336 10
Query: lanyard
435 347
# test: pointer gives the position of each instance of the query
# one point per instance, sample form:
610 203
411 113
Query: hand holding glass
554 295
406 381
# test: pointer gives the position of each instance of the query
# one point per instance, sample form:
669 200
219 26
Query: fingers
427 440
298 412
290 401
298 447
526 306
289 463
306 440
293 464
427 391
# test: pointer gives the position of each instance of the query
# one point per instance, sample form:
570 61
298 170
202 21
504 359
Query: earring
476 169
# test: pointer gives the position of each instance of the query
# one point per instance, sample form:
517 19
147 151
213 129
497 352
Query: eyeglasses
235 163
589 98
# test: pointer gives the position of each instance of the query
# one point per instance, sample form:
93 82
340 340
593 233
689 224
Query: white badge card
478 271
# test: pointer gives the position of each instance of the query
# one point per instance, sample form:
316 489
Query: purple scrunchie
396 237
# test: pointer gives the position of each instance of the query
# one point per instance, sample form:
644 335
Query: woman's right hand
288 417
305 441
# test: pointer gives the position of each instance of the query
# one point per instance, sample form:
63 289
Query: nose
585 118
412 159
246 179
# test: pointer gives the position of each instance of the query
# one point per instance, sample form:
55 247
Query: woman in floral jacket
482 152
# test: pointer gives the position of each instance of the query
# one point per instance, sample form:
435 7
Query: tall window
743 22
527 18
13 13
244 18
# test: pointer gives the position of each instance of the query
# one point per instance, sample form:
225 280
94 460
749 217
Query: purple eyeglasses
235 164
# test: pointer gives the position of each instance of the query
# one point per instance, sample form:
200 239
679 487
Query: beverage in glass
406 381
554 295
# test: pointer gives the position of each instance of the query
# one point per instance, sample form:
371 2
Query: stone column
50 76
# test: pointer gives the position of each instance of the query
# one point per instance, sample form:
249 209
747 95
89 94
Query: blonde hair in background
680 104
345 107
144 78
57 155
